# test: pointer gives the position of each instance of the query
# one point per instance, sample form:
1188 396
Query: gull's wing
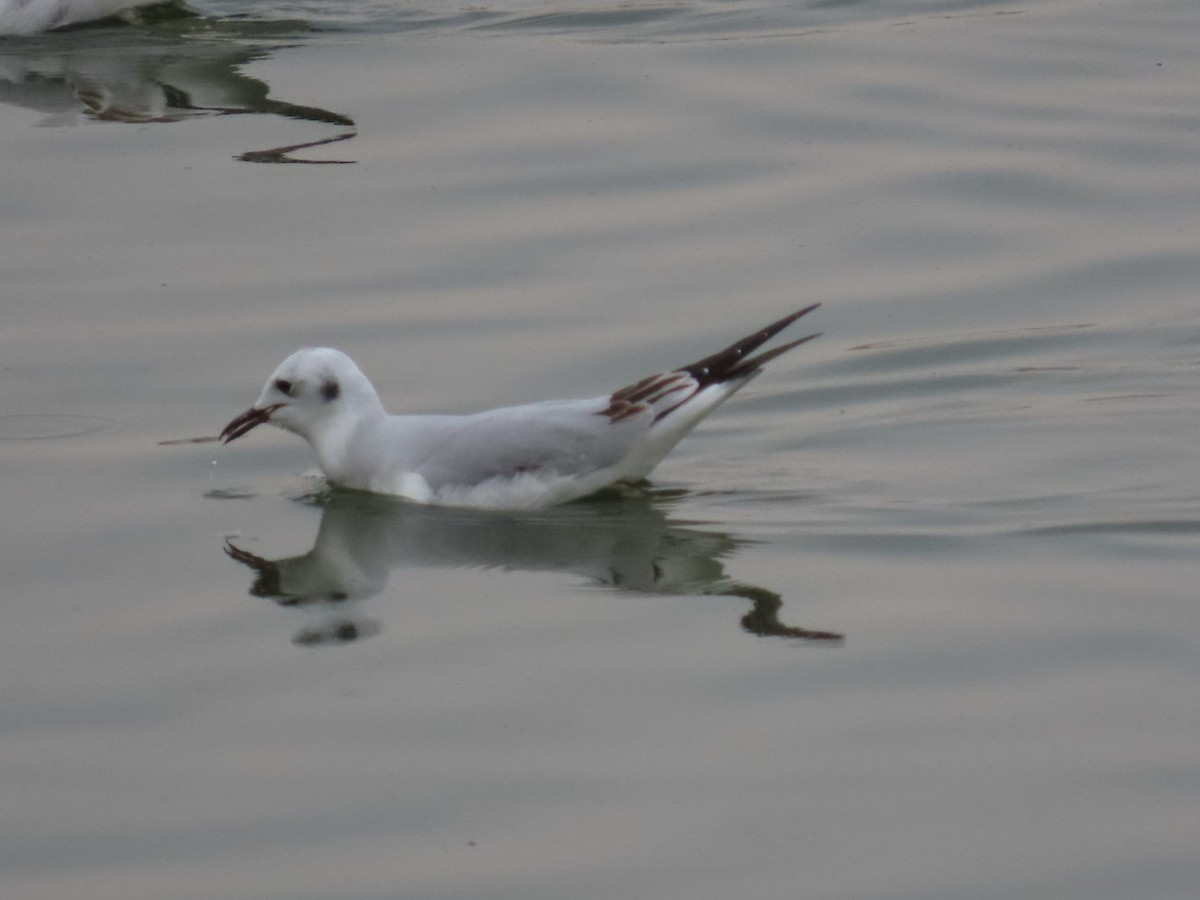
564 438
628 432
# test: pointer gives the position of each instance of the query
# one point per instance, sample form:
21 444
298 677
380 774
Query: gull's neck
331 438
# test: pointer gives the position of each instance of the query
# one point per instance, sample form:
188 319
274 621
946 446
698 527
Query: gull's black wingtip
754 363
735 362
775 327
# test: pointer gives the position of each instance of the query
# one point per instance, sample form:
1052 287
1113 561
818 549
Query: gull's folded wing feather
631 429
557 438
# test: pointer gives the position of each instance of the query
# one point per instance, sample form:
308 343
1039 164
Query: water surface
914 616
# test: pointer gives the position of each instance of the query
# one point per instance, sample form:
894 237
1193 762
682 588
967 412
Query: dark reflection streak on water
627 544
288 111
49 426
282 154
975 337
1165 527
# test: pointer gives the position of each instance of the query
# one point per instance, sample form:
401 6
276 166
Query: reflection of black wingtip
283 154
753 624
309 114
763 618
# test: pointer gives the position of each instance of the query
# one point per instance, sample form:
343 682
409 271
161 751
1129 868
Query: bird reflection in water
627 543
179 70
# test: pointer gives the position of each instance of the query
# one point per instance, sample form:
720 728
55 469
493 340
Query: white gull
539 454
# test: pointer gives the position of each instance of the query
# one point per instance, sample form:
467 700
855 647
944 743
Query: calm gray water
220 680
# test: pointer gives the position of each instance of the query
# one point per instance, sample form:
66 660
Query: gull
535 455
33 16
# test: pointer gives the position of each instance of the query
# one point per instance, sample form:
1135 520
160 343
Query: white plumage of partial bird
23 17
538 454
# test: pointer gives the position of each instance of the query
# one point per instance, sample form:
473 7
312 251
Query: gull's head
313 391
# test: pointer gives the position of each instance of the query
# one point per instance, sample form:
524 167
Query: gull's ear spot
331 390
284 386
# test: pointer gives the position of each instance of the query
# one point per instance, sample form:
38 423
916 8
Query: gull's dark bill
250 419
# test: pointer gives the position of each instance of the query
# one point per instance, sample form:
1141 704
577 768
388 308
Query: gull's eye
330 390
283 386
